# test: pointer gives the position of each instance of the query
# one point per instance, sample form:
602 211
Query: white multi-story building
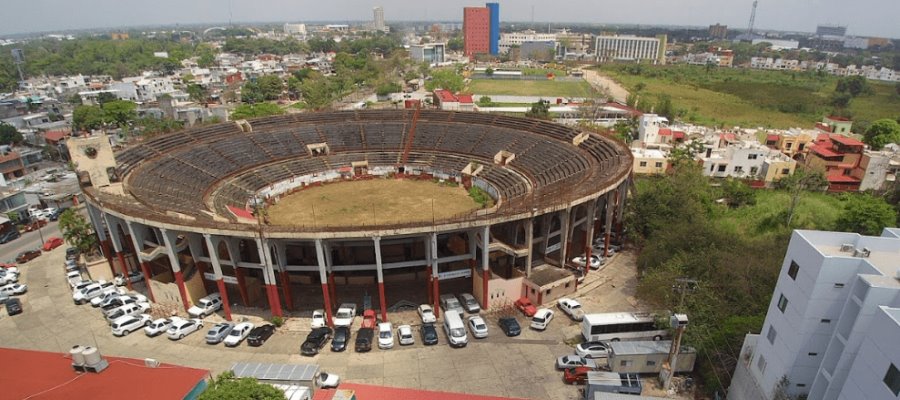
832 326
295 29
508 40
631 48
744 159
378 16
432 53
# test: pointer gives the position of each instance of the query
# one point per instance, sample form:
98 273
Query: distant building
631 48
378 16
476 31
832 325
835 124
11 166
838 157
718 31
649 161
119 36
778 44
746 160
446 100
512 39
856 43
494 36
881 168
295 29
831 30
432 53
537 51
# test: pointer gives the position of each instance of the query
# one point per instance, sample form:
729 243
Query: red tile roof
842 179
9 156
44 375
771 138
241 213
665 132
836 118
445 95
465 98
678 135
846 141
823 151
372 392
55 136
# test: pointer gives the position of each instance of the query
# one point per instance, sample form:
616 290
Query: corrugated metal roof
640 347
275 372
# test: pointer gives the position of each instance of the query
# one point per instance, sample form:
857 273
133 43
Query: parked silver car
218 332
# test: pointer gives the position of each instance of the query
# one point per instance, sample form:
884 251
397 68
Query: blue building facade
495 27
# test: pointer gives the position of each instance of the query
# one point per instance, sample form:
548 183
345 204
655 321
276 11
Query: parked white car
345 314
74 278
206 306
13 289
427 314
133 276
159 326
97 301
183 327
478 327
318 319
127 324
8 277
405 335
128 309
541 319
85 295
571 307
596 261
325 380
592 349
385 335
238 334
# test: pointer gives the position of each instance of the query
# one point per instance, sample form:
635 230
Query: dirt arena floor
371 202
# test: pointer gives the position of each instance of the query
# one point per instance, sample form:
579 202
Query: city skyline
787 15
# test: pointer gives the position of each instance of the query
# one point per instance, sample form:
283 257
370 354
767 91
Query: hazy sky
863 17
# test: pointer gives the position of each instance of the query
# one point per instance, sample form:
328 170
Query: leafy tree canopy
9 134
446 79
539 109
227 387
866 215
87 118
881 133
77 231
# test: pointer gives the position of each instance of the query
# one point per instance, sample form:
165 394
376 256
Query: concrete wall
99 269
97 166
743 385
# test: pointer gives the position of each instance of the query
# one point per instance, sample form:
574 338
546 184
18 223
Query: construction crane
412 134
752 20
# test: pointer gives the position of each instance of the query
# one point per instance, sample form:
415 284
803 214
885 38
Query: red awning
241 213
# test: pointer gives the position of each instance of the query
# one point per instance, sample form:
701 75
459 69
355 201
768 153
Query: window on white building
754 170
722 168
771 335
761 364
626 363
825 321
838 285
812 354
752 156
782 302
651 363
892 379
738 169
792 271
643 163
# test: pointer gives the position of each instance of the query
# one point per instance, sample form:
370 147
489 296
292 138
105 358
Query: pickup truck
345 314
368 319
572 308
206 306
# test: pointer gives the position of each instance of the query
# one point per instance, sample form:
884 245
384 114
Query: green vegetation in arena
750 98
549 88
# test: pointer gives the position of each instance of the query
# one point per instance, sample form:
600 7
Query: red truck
368 319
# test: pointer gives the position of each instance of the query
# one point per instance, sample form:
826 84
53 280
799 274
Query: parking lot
516 367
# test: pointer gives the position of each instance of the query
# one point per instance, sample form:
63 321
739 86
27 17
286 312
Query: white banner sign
227 279
460 273
553 248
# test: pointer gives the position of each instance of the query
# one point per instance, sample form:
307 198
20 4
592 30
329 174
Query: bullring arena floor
372 202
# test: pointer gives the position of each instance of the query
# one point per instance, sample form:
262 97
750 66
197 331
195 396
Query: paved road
28 240
515 367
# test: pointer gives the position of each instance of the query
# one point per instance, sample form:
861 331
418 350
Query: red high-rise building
477 30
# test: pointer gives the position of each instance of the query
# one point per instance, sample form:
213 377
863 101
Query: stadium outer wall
184 261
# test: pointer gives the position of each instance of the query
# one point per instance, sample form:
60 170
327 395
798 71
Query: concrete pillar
136 240
485 265
286 288
588 238
623 196
529 244
320 256
217 271
332 287
269 277
378 268
234 256
97 222
170 241
545 233
564 235
609 216
119 248
432 257
285 277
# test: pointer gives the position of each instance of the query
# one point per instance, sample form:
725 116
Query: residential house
11 165
791 142
649 161
838 157
881 168
745 160
445 100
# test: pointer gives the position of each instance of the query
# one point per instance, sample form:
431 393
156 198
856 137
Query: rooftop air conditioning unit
92 361
151 363
847 248
863 253
77 357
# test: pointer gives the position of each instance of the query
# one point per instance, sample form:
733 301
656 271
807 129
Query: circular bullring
199 177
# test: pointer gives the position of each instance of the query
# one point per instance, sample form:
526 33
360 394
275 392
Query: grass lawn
749 98
815 211
529 88
371 202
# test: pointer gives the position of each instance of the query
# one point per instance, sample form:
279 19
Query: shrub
277 321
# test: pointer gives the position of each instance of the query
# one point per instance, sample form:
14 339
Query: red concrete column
226 306
274 301
485 276
331 289
286 288
587 254
382 301
125 270
179 280
108 254
327 304
242 286
437 296
146 270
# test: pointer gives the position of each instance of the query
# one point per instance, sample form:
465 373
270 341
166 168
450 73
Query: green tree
271 86
796 184
87 118
77 231
881 133
197 93
737 193
489 71
9 134
152 126
318 91
387 88
665 108
485 101
120 112
539 109
455 44
854 86
246 111
866 215
446 79
227 387
685 152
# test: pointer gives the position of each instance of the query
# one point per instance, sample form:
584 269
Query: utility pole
679 323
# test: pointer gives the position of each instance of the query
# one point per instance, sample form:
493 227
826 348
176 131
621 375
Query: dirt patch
372 202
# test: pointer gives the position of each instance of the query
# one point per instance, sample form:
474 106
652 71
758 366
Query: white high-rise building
832 326
631 48
511 39
295 29
379 18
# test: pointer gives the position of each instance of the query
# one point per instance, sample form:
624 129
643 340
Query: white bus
620 326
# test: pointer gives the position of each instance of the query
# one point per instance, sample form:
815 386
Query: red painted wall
476 30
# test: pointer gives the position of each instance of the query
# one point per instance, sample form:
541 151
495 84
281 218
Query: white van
455 330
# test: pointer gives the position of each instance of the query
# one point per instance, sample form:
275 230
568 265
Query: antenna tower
752 19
